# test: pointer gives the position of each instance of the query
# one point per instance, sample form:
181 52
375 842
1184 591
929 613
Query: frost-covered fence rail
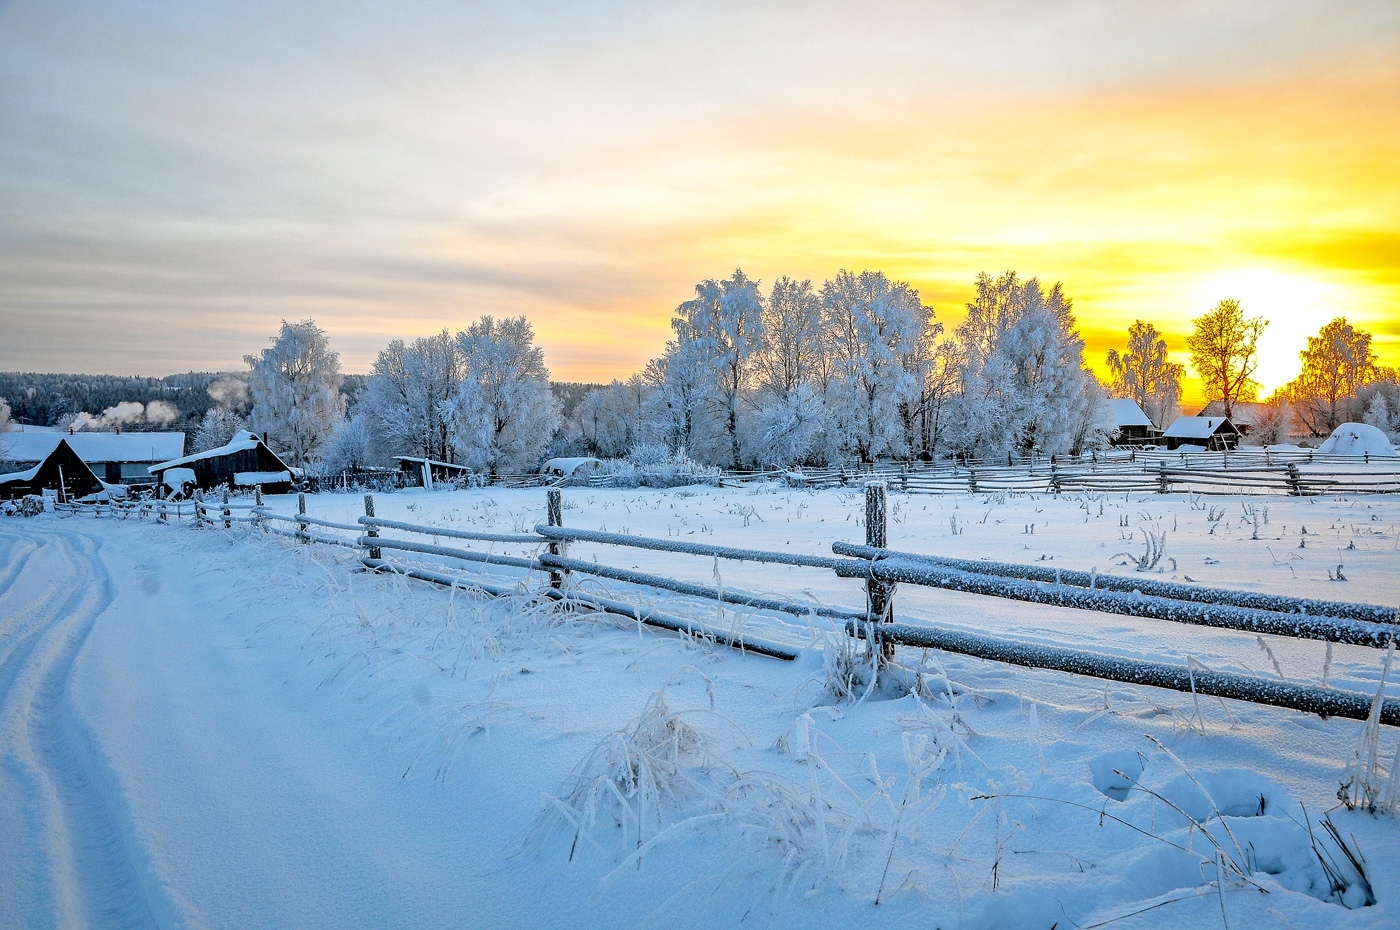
1383 618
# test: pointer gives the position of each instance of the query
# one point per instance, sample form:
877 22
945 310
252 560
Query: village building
245 462
1132 427
115 457
61 472
1214 433
427 472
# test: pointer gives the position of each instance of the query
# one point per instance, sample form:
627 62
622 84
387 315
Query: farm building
61 471
246 462
116 458
570 470
427 471
1132 426
1214 433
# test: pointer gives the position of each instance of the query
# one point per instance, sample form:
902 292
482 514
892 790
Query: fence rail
881 569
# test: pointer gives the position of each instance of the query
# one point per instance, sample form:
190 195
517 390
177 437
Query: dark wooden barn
1213 433
246 462
61 471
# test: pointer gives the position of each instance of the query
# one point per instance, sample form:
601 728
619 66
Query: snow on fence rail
881 568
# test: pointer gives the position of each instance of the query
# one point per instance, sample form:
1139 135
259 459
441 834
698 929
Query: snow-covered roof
22 476
1126 412
34 445
241 440
1357 439
176 478
567 465
433 462
1194 427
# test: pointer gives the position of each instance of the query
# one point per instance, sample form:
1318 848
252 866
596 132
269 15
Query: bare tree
1336 364
1224 352
1144 374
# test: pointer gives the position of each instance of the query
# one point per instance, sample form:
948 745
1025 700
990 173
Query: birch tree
295 388
1144 373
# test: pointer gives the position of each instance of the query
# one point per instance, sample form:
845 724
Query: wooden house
62 471
1132 427
427 472
115 457
245 462
1214 433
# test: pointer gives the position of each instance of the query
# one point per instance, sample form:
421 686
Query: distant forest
40 399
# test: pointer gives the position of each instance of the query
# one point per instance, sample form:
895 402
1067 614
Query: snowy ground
217 728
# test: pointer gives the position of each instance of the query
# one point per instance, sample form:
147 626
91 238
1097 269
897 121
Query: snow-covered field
228 729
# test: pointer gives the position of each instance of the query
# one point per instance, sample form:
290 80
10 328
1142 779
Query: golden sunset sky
175 179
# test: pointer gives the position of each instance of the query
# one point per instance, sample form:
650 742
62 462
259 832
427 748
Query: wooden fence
545 551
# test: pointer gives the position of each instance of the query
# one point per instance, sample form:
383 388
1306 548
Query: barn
1132 427
115 457
245 462
1214 433
62 471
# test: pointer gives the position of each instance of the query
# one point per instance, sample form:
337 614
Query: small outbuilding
570 469
426 472
1132 426
62 471
1214 433
245 462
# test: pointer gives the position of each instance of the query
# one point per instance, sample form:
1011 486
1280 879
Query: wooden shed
245 462
1214 433
62 471
1132 426
426 472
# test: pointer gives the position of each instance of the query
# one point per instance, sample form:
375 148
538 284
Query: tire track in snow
87 868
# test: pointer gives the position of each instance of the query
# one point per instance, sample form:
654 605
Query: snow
1357 439
247 479
226 728
32 445
1126 412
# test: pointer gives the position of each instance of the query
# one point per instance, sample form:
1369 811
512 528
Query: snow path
80 854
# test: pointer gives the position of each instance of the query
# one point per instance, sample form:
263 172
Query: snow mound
1357 439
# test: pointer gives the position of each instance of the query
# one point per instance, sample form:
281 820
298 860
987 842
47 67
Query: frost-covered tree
1024 387
790 375
4 415
1225 353
405 396
216 429
874 326
295 388
678 410
503 413
725 322
351 445
1380 399
1337 362
610 417
1144 373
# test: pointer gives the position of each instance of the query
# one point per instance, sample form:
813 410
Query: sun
1296 306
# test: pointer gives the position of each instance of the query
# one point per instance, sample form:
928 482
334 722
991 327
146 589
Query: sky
177 178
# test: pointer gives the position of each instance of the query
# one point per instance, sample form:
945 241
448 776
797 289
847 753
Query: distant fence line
545 550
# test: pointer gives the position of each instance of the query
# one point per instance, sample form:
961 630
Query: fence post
971 480
904 477
1163 483
198 508
257 504
227 514
374 551
301 512
1295 480
879 595
557 547
1054 478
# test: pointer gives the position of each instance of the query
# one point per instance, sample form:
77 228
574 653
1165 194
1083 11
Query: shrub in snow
653 467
